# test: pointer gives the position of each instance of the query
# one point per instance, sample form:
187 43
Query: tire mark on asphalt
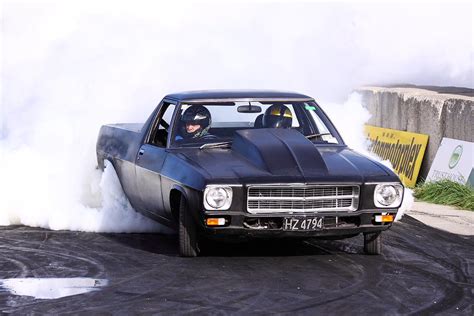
419 264
100 269
24 271
448 279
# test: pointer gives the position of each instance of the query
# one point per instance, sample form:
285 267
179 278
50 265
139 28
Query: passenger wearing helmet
277 116
195 123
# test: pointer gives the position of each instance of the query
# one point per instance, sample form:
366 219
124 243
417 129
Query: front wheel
373 243
188 245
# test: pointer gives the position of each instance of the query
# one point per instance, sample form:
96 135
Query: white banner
453 161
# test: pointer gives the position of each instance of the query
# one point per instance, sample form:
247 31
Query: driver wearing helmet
195 123
277 116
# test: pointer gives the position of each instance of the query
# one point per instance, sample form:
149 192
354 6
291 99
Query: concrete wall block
459 120
421 111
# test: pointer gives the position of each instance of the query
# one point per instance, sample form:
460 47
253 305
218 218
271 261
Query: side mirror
249 109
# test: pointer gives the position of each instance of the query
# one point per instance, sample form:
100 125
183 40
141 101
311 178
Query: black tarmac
423 270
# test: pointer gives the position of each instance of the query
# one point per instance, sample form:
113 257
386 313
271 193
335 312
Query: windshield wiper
316 135
216 145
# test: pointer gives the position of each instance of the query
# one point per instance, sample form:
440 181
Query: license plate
303 223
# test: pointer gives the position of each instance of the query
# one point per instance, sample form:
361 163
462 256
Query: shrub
446 192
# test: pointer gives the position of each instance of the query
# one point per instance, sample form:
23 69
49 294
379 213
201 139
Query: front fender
172 192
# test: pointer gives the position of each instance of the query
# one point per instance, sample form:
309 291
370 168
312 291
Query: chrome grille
299 198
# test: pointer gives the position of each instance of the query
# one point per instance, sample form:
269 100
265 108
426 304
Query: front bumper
335 225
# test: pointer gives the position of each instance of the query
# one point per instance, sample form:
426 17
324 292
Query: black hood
282 156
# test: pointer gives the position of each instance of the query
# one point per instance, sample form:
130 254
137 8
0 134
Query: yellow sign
403 149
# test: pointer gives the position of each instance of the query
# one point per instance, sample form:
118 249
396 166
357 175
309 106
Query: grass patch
446 192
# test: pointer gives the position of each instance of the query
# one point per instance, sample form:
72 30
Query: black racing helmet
197 115
277 116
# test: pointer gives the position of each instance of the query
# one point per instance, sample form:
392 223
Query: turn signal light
215 221
383 218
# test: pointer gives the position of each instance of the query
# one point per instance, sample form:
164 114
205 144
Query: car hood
283 156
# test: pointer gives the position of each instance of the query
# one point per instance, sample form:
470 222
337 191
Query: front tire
373 243
188 245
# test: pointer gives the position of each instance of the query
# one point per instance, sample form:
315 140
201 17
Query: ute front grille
298 198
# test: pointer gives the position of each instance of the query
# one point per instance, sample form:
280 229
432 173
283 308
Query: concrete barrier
422 111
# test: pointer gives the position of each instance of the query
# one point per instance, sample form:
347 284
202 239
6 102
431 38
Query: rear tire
188 245
373 243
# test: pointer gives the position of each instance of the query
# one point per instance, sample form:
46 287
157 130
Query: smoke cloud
69 67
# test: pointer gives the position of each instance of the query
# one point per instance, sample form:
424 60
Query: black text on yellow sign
403 149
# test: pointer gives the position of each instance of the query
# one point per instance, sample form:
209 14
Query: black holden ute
249 164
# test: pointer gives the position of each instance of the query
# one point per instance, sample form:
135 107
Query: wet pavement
422 270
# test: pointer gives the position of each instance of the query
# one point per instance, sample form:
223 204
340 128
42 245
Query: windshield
212 123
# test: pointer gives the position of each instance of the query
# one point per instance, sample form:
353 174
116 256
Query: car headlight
217 197
388 195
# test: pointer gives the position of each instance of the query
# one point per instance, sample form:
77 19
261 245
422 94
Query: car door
150 159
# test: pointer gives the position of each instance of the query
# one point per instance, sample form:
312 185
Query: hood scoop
280 151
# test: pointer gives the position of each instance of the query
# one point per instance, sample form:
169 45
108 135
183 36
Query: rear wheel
373 243
188 245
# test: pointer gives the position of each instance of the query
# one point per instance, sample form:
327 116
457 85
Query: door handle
140 153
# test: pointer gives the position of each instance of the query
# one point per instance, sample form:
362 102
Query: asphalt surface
423 270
